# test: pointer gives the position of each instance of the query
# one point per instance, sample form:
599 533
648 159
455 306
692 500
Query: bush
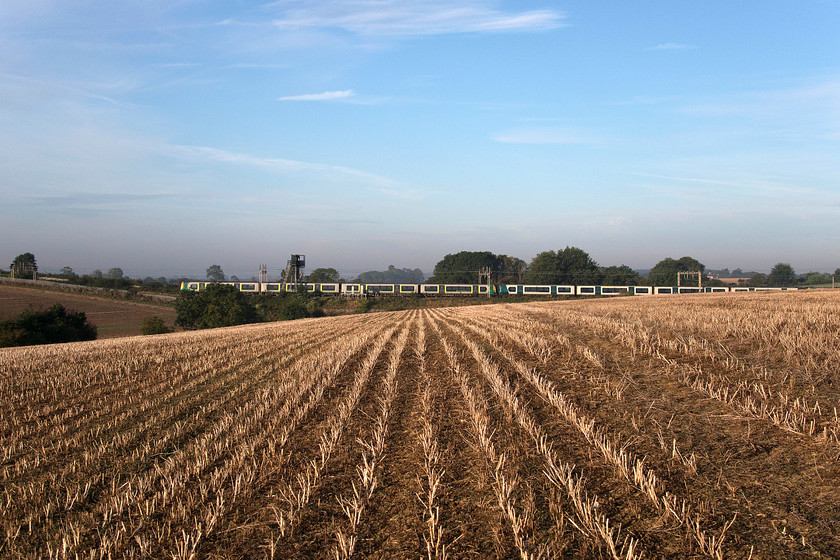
154 325
54 325
219 305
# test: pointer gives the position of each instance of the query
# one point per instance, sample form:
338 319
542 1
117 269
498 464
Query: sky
163 136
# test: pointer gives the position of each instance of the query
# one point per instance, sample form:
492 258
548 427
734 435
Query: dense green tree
463 267
153 325
567 266
816 278
96 274
513 270
323 275
56 324
67 271
619 276
24 266
392 276
665 271
759 280
114 273
215 273
218 305
782 275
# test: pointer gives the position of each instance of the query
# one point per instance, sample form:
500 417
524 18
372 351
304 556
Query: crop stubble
691 427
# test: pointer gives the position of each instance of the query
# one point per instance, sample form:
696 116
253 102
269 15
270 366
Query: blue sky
163 136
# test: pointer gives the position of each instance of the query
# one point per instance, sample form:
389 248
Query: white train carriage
430 289
689 290
453 289
352 289
537 289
616 290
380 289
404 289
459 289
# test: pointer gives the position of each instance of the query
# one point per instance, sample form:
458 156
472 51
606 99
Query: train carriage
352 289
616 290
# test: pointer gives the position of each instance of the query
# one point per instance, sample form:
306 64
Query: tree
619 276
67 271
758 279
323 275
153 325
782 275
218 305
568 266
665 271
817 278
115 273
463 267
513 270
24 266
215 273
393 275
96 273
56 324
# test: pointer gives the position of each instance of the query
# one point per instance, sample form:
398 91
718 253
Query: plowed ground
593 429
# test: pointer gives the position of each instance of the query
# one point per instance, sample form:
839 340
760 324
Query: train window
587 289
564 289
431 289
537 289
328 287
248 287
458 289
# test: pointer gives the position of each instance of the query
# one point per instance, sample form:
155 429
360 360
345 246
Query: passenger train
369 290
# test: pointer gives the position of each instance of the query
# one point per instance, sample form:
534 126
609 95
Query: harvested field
113 318
647 427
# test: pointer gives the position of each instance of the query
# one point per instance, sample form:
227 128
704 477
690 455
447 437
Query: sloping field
662 427
113 318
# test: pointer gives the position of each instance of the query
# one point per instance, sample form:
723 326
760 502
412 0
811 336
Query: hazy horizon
168 136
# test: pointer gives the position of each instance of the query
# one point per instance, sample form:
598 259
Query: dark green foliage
323 275
759 280
154 325
665 271
392 276
100 281
24 266
568 266
288 306
215 273
816 279
782 275
56 324
219 305
619 276
512 271
463 267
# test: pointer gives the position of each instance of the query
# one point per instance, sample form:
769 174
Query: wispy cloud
413 17
325 96
671 47
279 165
